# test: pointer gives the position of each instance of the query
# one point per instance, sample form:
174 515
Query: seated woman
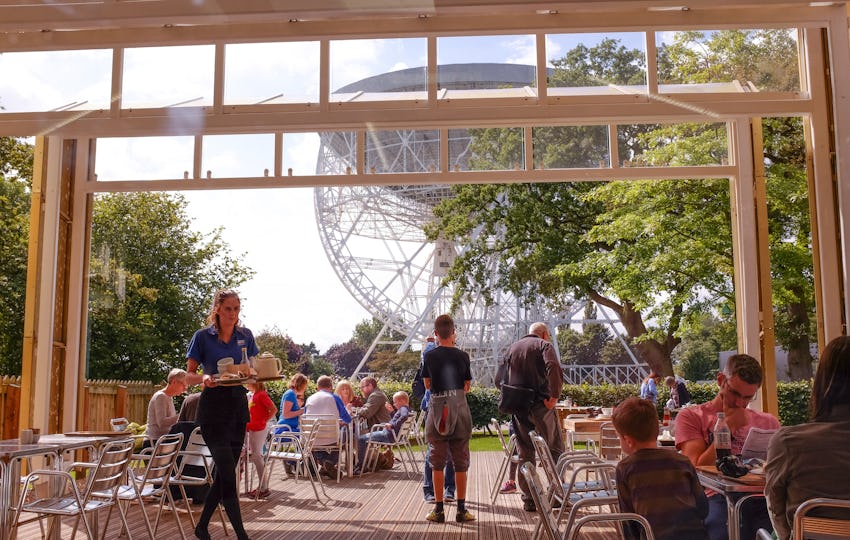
401 401
813 460
292 404
346 392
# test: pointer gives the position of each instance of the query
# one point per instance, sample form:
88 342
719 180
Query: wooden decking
383 505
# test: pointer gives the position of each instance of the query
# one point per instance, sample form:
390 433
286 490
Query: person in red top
262 409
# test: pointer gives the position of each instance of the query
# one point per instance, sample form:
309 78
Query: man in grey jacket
532 363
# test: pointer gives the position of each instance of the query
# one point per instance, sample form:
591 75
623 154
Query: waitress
222 410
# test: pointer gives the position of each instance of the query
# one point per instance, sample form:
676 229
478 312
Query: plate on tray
264 379
231 381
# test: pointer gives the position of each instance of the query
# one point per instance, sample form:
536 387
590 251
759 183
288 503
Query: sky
295 288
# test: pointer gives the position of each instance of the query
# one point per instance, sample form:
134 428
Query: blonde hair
403 395
344 383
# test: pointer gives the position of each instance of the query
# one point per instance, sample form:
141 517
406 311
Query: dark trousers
225 444
545 422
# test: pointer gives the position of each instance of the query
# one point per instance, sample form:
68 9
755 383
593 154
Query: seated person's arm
689 440
289 411
372 406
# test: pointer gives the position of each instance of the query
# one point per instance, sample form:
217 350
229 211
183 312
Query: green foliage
484 405
702 340
16 158
794 398
319 367
393 365
151 281
599 395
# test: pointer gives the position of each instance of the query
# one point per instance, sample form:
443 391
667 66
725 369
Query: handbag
514 400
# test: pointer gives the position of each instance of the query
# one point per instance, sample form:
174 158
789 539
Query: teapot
267 366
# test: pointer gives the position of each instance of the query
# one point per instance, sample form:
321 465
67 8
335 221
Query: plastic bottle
666 421
722 437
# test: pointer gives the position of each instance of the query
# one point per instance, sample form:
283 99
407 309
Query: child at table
657 483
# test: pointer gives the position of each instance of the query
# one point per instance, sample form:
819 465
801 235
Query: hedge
483 402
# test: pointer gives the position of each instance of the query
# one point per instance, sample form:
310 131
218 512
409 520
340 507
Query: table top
12 449
711 478
585 424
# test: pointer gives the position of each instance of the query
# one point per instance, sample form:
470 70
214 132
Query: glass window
144 158
571 147
299 154
378 69
234 156
271 72
729 60
486 149
673 145
337 153
168 76
611 63
402 151
55 80
486 66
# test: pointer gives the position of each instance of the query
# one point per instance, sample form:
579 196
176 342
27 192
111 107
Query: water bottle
722 437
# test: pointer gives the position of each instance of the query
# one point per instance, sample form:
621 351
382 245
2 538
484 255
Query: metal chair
591 481
328 437
296 447
153 481
820 526
509 457
100 491
615 517
609 442
197 456
418 432
402 442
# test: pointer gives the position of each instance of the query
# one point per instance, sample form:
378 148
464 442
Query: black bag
514 400
418 386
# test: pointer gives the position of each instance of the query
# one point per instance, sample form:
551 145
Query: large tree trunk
799 357
655 353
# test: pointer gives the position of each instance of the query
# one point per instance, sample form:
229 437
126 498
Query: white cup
26 436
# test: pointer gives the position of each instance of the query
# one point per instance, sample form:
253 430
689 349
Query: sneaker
430 499
449 497
529 506
436 517
508 487
464 516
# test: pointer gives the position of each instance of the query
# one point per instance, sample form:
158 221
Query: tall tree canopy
15 187
658 253
151 281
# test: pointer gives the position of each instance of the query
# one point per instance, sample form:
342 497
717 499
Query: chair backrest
544 455
309 431
822 519
619 517
406 429
609 442
538 495
162 459
108 474
196 452
507 447
327 429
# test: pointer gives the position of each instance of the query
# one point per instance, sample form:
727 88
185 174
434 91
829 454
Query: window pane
486 66
144 158
571 147
233 156
761 60
612 63
169 76
378 69
487 149
299 153
402 151
673 145
337 153
55 80
271 73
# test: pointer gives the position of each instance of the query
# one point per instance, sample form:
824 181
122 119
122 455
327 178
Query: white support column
744 243
43 372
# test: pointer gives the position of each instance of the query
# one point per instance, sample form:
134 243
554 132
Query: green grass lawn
484 442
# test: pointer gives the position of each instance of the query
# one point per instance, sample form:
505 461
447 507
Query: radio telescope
373 235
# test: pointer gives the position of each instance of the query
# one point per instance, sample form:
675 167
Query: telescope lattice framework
373 235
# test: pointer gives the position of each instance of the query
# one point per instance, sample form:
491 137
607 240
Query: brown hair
444 326
745 367
324 382
636 418
299 380
218 298
832 380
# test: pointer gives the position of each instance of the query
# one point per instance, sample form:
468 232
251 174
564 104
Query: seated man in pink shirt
739 381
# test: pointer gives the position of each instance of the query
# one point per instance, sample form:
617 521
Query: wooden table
584 428
735 490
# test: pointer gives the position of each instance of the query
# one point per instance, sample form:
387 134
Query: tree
151 282
395 366
655 251
345 357
16 159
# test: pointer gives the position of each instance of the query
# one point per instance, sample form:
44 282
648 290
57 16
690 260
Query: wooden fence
102 401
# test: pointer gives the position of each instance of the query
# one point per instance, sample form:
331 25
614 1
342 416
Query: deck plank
376 506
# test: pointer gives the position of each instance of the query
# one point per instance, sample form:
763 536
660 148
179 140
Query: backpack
418 386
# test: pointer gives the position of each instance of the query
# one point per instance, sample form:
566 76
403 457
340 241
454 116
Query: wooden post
121 401
12 418
86 415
